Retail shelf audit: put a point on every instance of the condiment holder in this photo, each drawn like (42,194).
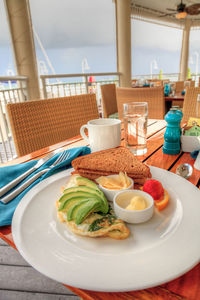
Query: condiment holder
(110,193)
(123,199)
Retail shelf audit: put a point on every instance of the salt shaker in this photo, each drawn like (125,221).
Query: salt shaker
(173,132)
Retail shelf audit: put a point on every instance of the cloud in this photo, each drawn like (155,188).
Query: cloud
(77,23)
(155,36)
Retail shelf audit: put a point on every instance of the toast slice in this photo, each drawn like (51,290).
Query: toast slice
(111,161)
(92,176)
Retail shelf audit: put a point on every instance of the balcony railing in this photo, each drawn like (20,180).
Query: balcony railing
(13,89)
(74,84)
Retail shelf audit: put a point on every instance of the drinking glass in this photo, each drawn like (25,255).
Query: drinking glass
(135,126)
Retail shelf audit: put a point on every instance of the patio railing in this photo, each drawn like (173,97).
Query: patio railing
(74,84)
(13,89)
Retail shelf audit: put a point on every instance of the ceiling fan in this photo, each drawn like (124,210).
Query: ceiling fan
(182,10)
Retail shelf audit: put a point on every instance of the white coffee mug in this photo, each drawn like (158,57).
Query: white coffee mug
(102,134)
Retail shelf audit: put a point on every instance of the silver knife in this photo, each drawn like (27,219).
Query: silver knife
(17,180)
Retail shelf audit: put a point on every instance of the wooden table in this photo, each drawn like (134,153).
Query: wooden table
(170,99)
(184,287)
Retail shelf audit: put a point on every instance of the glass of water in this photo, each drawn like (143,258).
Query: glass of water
(135,126)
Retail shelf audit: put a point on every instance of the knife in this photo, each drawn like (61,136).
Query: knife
(17,180)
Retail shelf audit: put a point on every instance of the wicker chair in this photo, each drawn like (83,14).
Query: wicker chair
(179,86)
(108,93)
(192,83)
(41,123)
(190,101)
(154,97)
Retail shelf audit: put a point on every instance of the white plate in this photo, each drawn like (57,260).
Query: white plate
(156,252)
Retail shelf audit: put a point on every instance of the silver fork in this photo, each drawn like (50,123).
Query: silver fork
(64,155)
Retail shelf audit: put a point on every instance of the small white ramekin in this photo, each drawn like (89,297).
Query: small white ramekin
(110,193)
(122,200)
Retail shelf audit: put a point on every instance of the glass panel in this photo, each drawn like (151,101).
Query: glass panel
(155,48)
(7,62)
(74,36)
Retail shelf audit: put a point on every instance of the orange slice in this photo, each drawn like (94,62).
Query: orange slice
(162,203)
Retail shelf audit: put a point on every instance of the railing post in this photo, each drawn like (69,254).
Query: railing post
(44,87)
(86,83)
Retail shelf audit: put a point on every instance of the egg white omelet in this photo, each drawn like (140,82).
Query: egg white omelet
(104,226)
(96,224)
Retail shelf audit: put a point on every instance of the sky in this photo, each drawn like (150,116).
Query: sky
(72,30)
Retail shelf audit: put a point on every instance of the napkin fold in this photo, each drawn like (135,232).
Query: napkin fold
(195,153)
(11,172)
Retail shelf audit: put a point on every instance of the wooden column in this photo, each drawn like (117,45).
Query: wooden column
(185,51)
(20,24)
(123,40)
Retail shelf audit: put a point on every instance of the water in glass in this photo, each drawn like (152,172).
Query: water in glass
(135,127)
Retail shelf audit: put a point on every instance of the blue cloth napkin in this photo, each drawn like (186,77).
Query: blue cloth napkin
(194,154)
(11,172)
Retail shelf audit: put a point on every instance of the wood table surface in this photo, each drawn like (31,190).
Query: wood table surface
(176,97)
(185,287)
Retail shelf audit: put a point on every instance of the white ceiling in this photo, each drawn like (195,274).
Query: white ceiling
(160,6)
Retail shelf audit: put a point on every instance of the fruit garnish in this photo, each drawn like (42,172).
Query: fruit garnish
(154,188)
(159,194)
(162,203)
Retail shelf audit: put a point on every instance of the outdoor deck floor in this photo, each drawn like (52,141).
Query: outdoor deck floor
(19,281)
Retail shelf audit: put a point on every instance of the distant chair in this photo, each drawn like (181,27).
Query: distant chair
(155,82)
(179,86)
(190,101)
(153,96)
(192,83)
(108,93)
(41,123)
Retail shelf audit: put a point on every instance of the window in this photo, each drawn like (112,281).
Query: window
(194,52)
(7,62)
(77,36)
(154,48)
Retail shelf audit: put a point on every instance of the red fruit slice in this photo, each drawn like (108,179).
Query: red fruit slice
(154,188)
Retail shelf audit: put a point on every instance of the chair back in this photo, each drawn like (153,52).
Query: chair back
(41,123)
(108,93)
(153,96)
(190,103)
(179,86)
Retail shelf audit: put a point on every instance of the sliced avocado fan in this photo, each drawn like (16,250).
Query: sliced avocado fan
(86,209)
(90,191)
(74,198)
(65,200)
(86,182)
(80,210)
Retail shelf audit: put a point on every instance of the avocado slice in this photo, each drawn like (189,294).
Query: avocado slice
(72,210)
(69,202)
(63,201)
(86,182)
(89,190)
(84,210)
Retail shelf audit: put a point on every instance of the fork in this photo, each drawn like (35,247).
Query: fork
(64,155)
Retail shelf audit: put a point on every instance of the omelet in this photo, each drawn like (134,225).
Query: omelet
(97,225)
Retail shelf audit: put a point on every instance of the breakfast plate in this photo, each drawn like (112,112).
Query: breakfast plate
(157,251)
